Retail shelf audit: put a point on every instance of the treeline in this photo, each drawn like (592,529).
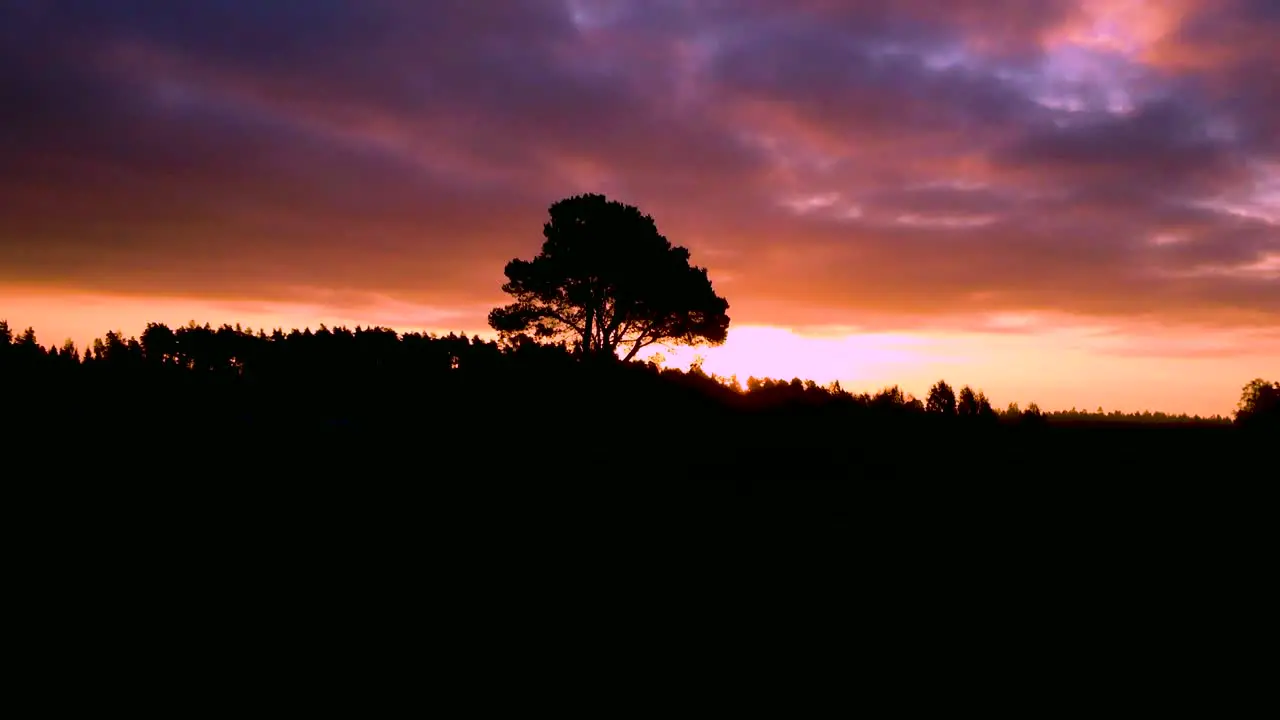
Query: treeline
(378,357)
(366,431)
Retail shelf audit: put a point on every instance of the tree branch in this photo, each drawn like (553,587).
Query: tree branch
(639,345)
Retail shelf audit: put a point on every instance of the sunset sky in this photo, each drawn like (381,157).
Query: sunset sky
(1073,202)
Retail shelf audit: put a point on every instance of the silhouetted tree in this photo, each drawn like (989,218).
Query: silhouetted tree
(159,344)
(1259,404)
(892,399)
(27,351)
(607,279)
(984,407)
(117,350)
(974,405)
(941,400)
(1032,416)
(69,352)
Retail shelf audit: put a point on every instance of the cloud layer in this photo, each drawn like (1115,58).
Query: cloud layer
(829,161)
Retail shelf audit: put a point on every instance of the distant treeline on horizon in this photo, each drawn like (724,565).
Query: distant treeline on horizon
(377,354)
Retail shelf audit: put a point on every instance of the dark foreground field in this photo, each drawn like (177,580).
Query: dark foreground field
(382,550)
(749,472)
(501,491)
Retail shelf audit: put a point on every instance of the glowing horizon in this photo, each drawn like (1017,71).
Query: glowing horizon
(1008,358)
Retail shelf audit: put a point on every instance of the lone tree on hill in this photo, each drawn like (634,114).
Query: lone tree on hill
(607,279)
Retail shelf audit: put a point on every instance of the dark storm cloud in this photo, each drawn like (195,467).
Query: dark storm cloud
(833,158)
(1162,141)
(1230,49)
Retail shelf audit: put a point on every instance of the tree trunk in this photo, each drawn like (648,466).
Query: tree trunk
(586,333)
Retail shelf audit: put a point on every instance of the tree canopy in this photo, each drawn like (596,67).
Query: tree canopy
(607,280)
(942,399)
(1259,404)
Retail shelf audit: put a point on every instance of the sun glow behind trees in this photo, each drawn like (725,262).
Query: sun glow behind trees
(1144,368)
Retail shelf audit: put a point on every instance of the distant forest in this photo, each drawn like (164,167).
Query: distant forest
(234,357)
